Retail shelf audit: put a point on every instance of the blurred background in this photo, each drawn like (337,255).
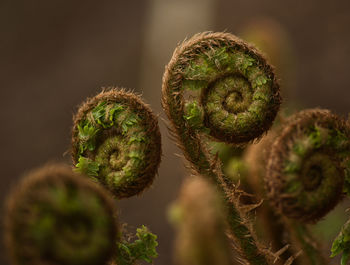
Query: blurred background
(54,54)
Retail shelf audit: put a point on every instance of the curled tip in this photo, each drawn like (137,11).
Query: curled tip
(307,164)
(116,141)
(218,84)
(55,216)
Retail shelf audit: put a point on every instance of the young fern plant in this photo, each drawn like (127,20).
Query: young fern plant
(55,216)
(218,88)
(278,229)
(116,141)
(308,170)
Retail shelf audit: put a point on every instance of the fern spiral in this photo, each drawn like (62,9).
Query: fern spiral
(218,88)
(218,84)
(308,165)
(55,216)
(116,141)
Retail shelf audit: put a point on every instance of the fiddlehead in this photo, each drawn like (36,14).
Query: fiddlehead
(307,165)
(277,228)
(116,140)
(218,86)
(308,169)
(55,216)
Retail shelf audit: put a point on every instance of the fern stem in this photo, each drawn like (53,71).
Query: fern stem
(217,86)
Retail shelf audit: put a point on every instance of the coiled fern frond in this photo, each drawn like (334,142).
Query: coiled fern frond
(57,217)
(307,165)
(116,141)
(218,88)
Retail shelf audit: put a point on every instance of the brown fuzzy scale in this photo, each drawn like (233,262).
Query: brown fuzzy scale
(115,95)
(18,210)
(173,78)
(275,177)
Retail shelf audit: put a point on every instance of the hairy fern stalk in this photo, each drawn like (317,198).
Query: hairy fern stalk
(218,87)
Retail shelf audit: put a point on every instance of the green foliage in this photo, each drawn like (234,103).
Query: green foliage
(103,115)
(193,114)
(87,135)
(261,80)
(339,140)
(143,248)
(194,84)
(219,60)
(88,167)
(342,244)
(291,167)
(99,113)
(137,139)
(330,137)
(113,113)
(131,120)
(300,148)
(247,62)
(106,115)
(316,137)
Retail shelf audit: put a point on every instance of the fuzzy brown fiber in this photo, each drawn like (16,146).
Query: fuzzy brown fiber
(172,98)
(149,121)
(190,139)
(276,180)
(32,201)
